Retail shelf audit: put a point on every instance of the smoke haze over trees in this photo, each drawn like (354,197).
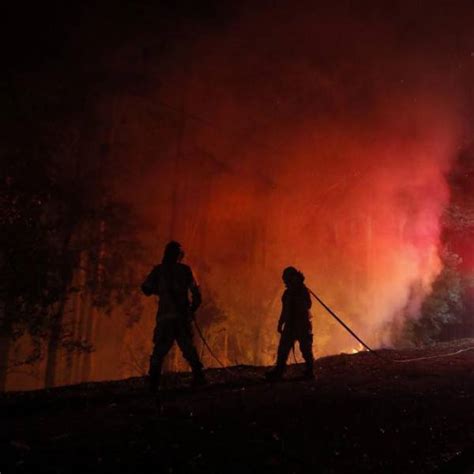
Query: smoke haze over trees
(336,139)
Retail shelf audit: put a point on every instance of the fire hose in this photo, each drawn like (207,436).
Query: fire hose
(353,334)
(208,347)
(346,327)
(211,352)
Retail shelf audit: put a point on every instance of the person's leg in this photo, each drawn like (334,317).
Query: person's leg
(286,343)
(163,338)
(306,347)
(184,338)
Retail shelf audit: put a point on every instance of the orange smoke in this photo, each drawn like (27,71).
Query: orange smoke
(280,135)
(298,147)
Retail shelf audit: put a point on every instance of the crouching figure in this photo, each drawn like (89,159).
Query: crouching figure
(294,324)
(173,281)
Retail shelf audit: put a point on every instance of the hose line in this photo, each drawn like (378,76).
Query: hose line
(344,325)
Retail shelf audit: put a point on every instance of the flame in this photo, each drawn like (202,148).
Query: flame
(354,349)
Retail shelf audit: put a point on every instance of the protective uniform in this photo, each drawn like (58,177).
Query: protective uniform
(294,323)
(172,282)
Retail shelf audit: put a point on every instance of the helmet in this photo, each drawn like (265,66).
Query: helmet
(292,275)
(173,252)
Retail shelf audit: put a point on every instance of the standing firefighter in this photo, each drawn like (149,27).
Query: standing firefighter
(173,281)
(294,324)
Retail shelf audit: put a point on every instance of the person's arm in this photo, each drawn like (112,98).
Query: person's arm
(284,311)
(196,298)
(150,285)
(308,300)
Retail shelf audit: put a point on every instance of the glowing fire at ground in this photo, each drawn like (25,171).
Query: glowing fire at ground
(355,350)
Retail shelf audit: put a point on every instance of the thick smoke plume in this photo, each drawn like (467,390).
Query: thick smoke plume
(314,138)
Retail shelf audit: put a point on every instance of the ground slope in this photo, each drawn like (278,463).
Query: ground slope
(361,414)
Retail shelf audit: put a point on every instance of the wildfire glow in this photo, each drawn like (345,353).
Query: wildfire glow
(357,349)
(296,164)
(291,135)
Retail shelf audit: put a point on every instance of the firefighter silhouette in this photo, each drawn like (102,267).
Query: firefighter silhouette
(294,323)
(173,282)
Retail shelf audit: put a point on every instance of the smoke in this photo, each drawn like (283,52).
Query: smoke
(308,136)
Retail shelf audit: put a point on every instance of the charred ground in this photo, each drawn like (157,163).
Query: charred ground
(361,414)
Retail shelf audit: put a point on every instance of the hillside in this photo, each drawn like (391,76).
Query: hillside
(361,414)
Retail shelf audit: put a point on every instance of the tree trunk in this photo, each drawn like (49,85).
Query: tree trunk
(92,313)
(72,359)
(226,348)
(89,337)
(53,345)
(5,342)
(49,378)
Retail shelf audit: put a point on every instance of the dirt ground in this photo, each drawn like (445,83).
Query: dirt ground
(361,414)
